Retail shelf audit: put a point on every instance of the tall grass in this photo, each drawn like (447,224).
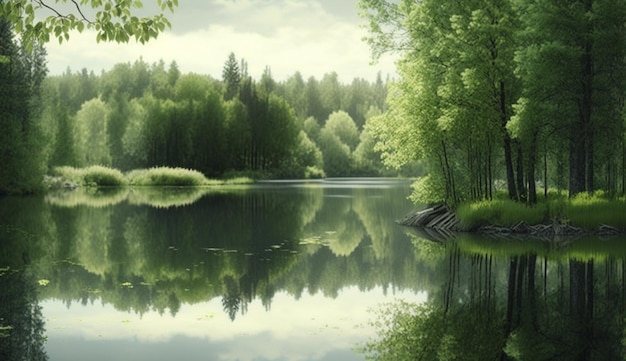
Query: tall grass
(101,176)
(499,212)
(166,176)
(585,210)
(93,176)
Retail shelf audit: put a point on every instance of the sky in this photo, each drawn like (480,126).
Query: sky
(313,37)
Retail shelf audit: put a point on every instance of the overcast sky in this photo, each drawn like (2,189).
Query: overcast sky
(311,36)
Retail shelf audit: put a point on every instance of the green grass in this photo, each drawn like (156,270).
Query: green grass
(165,176)
(584,210)
(93,176)
(100,176)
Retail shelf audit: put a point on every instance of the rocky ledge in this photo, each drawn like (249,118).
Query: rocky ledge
(438,222)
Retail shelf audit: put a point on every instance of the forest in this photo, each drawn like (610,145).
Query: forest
(508,95)
(139,115)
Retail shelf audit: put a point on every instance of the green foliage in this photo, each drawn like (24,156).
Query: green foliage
(165,176)
(493,90)
(585,210)
(115,21)
(591,211)
(22,139)
(500,212)
(92,176)
(405,331)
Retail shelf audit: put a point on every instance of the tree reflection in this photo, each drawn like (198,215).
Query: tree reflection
(22,336)
(236,246)
(519,306)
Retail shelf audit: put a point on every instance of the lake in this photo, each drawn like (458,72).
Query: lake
(291,271)
(273,271)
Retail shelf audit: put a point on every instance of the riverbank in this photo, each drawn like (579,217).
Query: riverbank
(438,222)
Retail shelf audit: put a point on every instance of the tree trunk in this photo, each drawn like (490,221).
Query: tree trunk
(508,157)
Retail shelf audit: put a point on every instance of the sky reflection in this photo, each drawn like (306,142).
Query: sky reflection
(311,328)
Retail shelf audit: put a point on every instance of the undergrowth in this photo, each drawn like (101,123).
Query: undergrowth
(584,210)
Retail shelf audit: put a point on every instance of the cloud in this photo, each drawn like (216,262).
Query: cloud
(286,35)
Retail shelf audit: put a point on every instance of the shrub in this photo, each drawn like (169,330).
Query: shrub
(101,176)
(165,176)
(94,176)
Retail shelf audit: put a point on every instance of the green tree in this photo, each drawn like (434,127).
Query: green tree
(92,134)
(456,92)
(231,76)
(342,125)
(134,142)
(21,142)
(572,65)
(64,151)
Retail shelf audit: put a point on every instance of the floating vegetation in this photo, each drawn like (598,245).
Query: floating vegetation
(315,240)
(127,285)
(213,249)
(43,282)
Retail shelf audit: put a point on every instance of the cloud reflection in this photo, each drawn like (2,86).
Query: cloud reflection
(311,328)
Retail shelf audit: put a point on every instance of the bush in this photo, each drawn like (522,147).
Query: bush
(165,176)
(101,176)
(93,176)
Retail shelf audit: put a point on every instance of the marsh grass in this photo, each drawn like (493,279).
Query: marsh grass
(585,210)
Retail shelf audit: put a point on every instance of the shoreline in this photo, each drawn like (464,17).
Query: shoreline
(439,223)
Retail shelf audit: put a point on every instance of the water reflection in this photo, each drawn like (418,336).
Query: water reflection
(254,259)
(291,271)
(513,299)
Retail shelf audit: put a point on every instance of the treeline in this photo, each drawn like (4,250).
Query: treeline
(507,94)
(140,115)
(144,115)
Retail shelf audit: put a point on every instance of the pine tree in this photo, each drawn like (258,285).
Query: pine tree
(232,77)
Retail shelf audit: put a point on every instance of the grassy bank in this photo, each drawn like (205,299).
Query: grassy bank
(101,176)
(585,210)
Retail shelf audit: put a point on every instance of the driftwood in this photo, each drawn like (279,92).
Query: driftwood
(438,217)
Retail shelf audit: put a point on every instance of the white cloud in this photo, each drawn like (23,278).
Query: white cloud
(286,35)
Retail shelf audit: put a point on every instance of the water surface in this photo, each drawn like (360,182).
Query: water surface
(274,271)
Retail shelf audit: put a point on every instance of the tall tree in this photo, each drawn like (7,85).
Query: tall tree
(457,87)
(21,75)
(231,77)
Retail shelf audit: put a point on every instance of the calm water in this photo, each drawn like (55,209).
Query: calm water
(290,271)
(276,271)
